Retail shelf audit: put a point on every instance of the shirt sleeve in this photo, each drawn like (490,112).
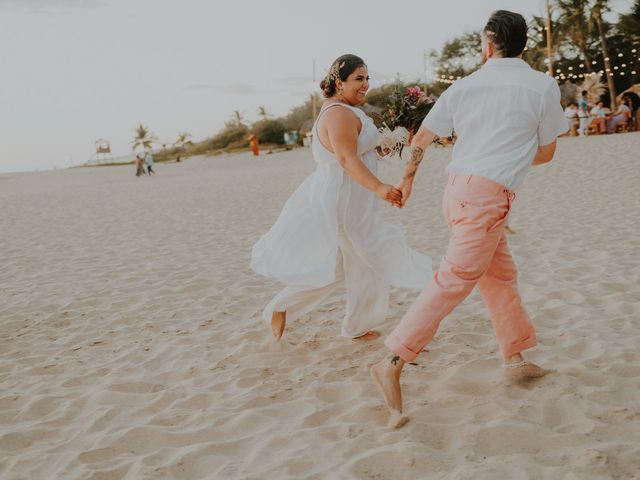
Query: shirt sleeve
(439,120)
(552,121)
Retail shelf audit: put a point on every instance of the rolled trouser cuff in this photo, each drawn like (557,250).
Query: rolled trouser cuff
(399,349)
(525,344)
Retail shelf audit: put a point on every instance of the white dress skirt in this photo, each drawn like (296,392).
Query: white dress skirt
(331,230)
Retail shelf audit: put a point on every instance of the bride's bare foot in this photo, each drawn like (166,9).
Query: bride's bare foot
(370,335)
(278,321)
(386,374)
(518,369)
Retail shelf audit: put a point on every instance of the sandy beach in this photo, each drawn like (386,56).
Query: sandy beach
(131,345)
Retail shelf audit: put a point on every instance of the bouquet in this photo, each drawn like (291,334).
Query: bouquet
(401,117)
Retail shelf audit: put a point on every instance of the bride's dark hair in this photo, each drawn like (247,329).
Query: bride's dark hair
(341,68)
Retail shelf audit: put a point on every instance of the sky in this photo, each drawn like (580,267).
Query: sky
(74,71)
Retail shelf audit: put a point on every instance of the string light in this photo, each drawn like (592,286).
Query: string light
(623,69)
(611,71)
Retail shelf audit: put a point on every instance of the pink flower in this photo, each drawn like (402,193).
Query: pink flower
(414,93)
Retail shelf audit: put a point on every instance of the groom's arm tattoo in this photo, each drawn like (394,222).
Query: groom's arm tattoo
(417,154)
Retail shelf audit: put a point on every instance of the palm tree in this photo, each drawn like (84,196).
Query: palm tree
(144,138)
(536,51)
(262,112)
(594,87)
(183,139)
(574,25)
(629,26)
(629,23)
(597,9)
(237,117)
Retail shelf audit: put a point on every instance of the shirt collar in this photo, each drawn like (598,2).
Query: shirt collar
(506,62)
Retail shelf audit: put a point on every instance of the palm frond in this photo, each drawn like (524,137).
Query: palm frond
(143,137)
(594,87)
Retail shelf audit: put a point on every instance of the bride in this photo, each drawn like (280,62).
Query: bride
(331,229)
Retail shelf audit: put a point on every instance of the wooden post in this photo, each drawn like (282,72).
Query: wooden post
(424,71)
(313,95)
(549,38)
(313,106)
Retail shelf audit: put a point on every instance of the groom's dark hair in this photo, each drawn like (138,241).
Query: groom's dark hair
(507,31)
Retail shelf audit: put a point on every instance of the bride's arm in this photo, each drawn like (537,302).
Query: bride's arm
(342,129)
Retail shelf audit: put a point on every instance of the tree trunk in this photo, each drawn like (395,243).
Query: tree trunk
(587,60)
(582,45)
(597,14)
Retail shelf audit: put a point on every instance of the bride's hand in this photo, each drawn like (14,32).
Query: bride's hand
(390,194)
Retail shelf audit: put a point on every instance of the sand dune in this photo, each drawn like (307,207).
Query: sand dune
(131,345)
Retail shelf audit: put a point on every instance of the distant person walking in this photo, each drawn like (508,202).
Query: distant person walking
(139,166)
(255,145)
(149,160)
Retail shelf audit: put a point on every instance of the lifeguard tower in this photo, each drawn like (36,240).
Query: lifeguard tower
(103,151)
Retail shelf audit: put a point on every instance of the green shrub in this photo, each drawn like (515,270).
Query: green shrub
(269,131)
(232,132)
(297,116)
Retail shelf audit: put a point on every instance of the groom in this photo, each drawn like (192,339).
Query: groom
(507,117)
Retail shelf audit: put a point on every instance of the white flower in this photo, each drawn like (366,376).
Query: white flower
(390,142)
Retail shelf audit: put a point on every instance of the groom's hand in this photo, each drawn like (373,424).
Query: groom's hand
(405,187)
(390,194)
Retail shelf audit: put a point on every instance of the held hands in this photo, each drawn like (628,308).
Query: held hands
(397,196)
(405,187)
(390,194)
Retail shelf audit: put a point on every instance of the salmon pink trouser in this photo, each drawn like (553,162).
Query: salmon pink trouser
(476,210)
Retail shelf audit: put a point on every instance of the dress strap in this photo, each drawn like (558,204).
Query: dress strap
(324,109)
(328,107)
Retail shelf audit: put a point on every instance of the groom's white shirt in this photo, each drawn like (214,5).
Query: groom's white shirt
(501,114)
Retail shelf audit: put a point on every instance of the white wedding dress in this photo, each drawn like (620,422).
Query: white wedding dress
(331,230)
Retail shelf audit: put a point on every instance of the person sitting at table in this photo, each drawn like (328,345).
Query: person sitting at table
(599,117)
(621,115)
(571,114)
